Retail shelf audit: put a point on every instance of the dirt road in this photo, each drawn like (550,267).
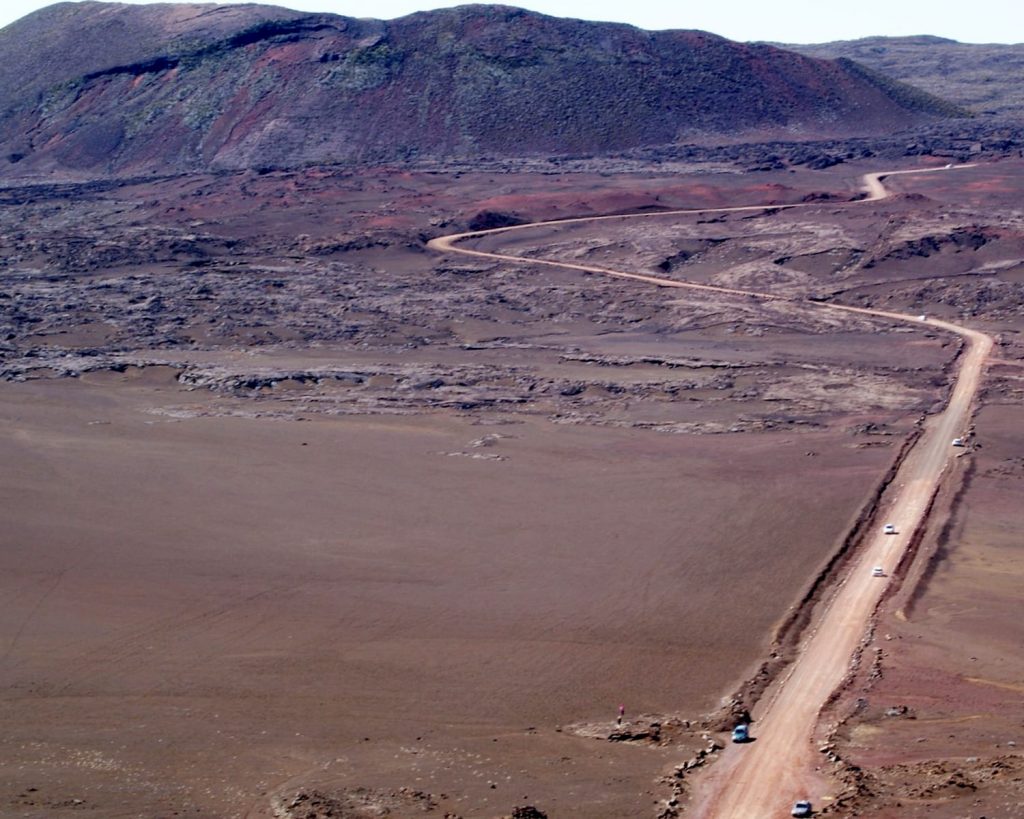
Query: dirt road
(763,778)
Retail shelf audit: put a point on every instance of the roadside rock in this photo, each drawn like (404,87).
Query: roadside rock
(633,732)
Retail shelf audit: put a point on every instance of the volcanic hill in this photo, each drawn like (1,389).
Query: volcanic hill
(96,88)
(984,77)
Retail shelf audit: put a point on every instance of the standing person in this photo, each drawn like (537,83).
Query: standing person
(622,713)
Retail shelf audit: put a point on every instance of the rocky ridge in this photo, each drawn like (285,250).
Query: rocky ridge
(983,77)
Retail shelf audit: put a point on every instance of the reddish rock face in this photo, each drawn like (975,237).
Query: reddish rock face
(178,87)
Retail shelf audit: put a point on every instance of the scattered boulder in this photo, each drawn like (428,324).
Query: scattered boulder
(528,812)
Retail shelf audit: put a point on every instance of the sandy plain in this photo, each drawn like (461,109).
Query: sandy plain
(322,513)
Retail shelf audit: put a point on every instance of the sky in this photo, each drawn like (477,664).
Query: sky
(788,21)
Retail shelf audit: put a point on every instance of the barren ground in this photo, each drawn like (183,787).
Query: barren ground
(324,513)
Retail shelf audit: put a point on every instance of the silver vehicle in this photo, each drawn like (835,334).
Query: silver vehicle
(878,571)
(801,808)
(889,529)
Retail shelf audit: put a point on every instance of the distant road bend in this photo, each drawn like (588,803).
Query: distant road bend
(765,778)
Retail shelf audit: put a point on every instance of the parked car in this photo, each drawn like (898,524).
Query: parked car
(878,571)
(889,529)
(958,442)
(741,733)
(801,808)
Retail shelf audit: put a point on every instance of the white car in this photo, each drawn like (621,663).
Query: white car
(801,808)
(889,529)
(958,442)
(878,571)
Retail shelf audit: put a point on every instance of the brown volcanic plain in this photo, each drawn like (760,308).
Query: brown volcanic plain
(302,520)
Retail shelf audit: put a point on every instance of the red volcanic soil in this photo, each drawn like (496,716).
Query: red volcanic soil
(323,512)
(204,610)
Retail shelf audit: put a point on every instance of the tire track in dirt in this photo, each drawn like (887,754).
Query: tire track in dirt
(49,586)
(101,662)
(765,777)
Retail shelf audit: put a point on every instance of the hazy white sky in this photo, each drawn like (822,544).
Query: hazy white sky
(793,21)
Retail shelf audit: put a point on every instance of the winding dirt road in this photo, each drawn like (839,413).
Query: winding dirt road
(764,778)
